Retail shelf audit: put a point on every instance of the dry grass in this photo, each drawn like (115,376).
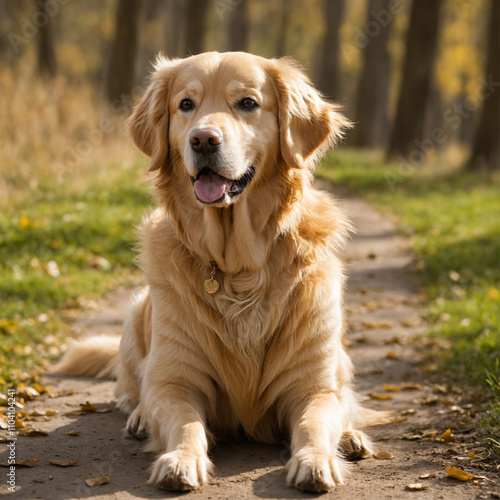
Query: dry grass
(53,133)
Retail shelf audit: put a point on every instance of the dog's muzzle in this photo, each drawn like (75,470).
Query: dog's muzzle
(211,187)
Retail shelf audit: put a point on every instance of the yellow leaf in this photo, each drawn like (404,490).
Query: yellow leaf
(51,412)
(32,432)
(24,222)
(494,293)
(427,476)
(88,407)
(23,463)
(471,454)
(416,486)
(72,433)
(96,481)
(41,389)
(383,455)
(447,436)
(380,396)
(392,388)
(458,474)
(63,463)
(391,355)
(20,424)
(410,387)
(38,413)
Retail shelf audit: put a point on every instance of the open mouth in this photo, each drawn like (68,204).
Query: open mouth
(210,187)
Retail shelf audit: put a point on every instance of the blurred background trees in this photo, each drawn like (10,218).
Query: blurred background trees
(419,77)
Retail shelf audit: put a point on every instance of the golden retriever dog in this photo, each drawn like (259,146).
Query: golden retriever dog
(239,332)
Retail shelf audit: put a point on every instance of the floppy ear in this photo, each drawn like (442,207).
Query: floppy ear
(309,124)
(148,124)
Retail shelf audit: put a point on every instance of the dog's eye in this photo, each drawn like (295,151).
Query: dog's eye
(248,103)
(186,105)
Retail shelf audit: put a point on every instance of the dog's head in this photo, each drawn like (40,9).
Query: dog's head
(224,120)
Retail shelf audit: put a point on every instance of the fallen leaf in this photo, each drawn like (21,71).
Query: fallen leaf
(398,420)
(380,396)
(88,407)
(427,476)
(63,463)
(96,481)
(51,412)
(41,389)
(430,433)
(383,455)
(391,355)
(72,433)
(31,462)
(410,411)
(458,474)
(391,388)
(428,401)
(20,424)
(33,432)
(416,486)
(60,394)
(447,436)
(410,387)
(411,437)
(38,413)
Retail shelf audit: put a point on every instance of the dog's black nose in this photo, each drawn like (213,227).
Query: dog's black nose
(205,140)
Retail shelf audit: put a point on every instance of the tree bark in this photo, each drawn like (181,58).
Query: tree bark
(485,149)
(120,74)
(47,65)
(173,39)
(421,47)
(284,19)
(373,91)
(328,79)
(238,27)
(196,25)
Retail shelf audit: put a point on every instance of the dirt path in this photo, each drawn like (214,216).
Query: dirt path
(383,311)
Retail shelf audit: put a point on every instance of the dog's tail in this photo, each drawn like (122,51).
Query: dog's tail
(95,356)
(371,417)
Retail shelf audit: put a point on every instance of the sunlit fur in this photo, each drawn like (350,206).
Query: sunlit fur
(263,357)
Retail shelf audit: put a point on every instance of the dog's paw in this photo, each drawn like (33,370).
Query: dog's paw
(314,471)
(355,445)
(180,471)
(136,426)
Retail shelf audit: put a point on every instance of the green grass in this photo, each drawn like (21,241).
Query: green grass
(454,222)
(52,244)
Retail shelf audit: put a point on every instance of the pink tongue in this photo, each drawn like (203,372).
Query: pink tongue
(210,187)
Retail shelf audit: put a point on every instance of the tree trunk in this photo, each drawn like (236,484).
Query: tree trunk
(120,75)
(47,65)
(485,150)
(196,25)
(174,28)
(328,73)
(421,47)
(281,42)
(373,91)
(238,27)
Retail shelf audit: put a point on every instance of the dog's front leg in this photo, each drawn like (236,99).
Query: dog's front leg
(317,427)
(178,430)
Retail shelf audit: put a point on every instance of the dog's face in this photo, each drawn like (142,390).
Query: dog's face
(223,123)
(228,119)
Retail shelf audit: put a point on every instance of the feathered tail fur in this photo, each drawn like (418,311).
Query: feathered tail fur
(95,356)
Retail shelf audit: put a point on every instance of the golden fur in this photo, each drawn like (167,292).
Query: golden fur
(263,357)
